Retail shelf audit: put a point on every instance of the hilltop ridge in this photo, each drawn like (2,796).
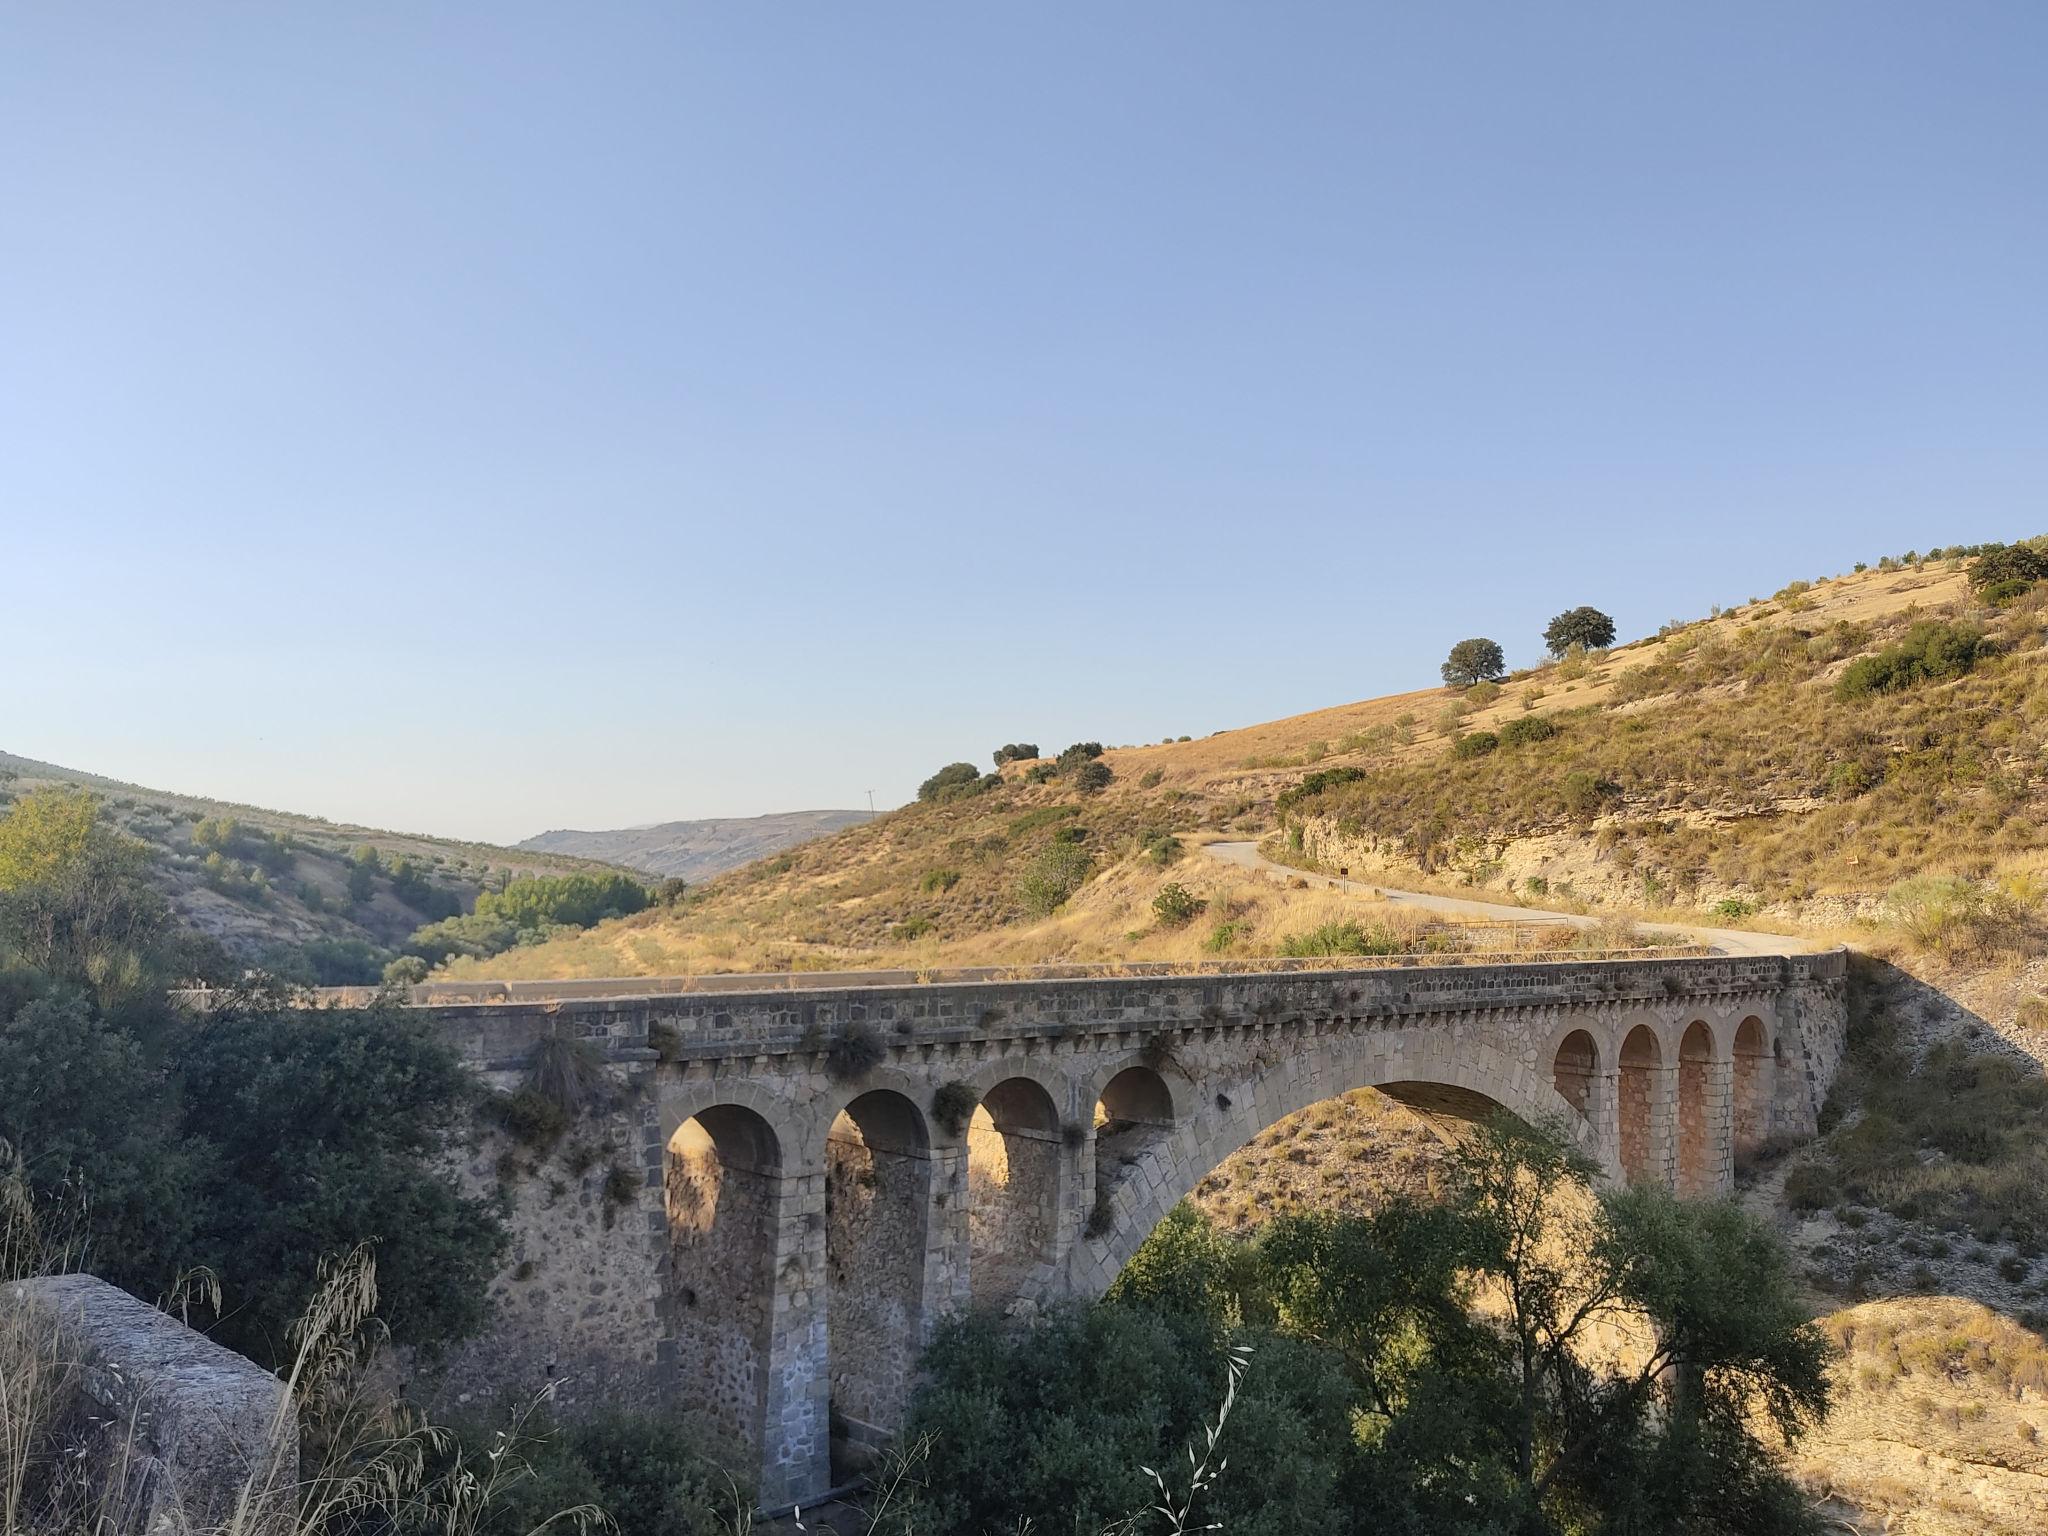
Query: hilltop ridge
(695,850)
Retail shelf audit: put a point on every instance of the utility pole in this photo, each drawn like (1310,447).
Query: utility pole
(871,802)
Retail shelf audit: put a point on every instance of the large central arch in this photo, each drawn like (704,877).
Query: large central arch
(1184,1130)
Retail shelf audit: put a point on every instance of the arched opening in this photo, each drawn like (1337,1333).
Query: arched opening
(1752,1089)
(877,1195)
(1696,1162)
(1134,1115)
(1572,1073)
(1640,1063)
(1013,1178)
(722,1183)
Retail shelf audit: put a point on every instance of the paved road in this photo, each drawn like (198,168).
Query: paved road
(1729,941)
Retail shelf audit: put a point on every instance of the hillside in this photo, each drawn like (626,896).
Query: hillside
(695,850)
(285,889)
(1718,767)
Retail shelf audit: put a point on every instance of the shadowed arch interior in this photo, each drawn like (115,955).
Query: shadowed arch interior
(722,1183)
(1134,1115)
(1572,1071)
(877,1205)
(1640,1063)
(1013,1183)
(1753,1085)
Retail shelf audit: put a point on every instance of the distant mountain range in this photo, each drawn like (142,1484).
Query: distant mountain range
(696,850)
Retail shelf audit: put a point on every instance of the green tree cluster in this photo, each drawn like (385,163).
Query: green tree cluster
(1381,1396)
(248,1139)
(575,901)
(1016,752)
(950,783)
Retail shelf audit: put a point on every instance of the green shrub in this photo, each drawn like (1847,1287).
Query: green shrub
(405,971)
(1223,938)
(2002,594)
(1733,908)
(1518,733)
(1092,777)
(1016,752)
(2003,564)
(1152,778)
(1164,849)
(854,1052)
(1053,875)
(953,1105)
(639,1468)
(1341,938)
(1313,785)
(936,880)
(1080,752)
(1474,744)
(950,783)
(1931,651)
(1040,773)
(1176,905)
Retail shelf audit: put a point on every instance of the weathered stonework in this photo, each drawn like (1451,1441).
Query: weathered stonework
(792,1236)
(198,1436)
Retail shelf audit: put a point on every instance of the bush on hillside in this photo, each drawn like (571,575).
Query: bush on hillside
(950,783)
(1587,628)
(1932,651)
(1052,876)
(1529,728)
(1077,754)
(1474,661)
(1475,744)
(1313,785)
(1341,938)
(2003,564)
(1092,777)
(1016,752)
(1175,906)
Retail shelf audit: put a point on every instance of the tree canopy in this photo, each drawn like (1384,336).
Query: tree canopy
(1528,1355)
(1585,627)
(1474,661)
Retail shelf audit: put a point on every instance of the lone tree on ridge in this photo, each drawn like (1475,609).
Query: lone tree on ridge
(1474,661)
(1581,626)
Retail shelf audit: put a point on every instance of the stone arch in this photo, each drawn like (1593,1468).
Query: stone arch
(1638,1082)
(722,1186)
(1752,1088)
(1014,1168)
(1134,1118)
(1438,1077)
(1574,1070)
(1697,1163)
(878,1188)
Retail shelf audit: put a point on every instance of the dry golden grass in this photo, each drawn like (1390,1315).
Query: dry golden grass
(1940,1420)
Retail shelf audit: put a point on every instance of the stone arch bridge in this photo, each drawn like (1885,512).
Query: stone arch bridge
(791,1185)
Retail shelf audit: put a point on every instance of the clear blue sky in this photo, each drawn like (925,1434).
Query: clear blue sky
(487,418)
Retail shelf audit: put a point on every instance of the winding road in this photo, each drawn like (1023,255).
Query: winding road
(1727,941)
